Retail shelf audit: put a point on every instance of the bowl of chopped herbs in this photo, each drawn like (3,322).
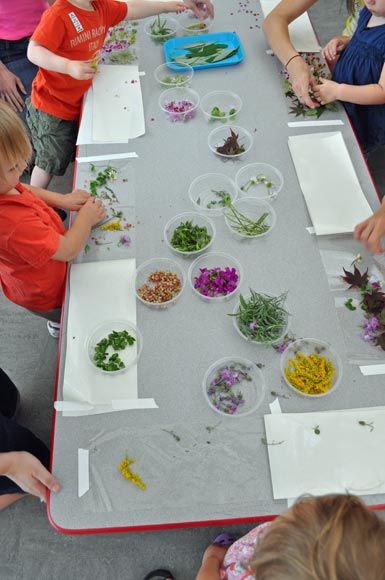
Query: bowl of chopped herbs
(179,76)
(159,282)
(261,318)
(212,192)
(221,106)
(230,141)
(249,218)
(161,29)
(234,387)
(215,276)
(114,346)
(259,180)
(189,234)
(311,367)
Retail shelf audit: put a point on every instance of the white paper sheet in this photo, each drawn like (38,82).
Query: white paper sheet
(301,31)
(332,192)
(345,456)
(99,291)
(112,107)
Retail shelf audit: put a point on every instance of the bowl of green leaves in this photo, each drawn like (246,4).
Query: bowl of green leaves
(210,193)
(114,346)
(261,318)
(259,180)
(179,75)
(189,234)
(161,29)
(230,141)
(221,106)
(249,218)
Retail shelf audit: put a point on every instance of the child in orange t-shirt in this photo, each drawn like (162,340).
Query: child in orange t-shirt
(34,244)
(70,34)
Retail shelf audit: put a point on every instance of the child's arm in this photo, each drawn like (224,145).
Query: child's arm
(330,91)
(211,563)
(137,9)
(75,238)
(371,230)
(44,58)
(72,201)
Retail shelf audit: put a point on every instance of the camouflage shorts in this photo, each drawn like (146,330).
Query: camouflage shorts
(54,140)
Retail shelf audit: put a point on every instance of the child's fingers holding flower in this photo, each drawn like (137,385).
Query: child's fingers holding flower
(81,70)
(326,92)
(75,200)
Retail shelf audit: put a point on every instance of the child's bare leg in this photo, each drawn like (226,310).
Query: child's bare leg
(8,499)
(40,178)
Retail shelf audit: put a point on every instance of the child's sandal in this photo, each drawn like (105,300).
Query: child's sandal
(159,574)
(224,539)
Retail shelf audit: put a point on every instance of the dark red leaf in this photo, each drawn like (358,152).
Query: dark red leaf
(355,278)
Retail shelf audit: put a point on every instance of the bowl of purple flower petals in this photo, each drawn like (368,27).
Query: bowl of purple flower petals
(234,387)
(179,104)
(215,276)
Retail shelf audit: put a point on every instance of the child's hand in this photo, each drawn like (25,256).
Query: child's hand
(211,562)
(302,80)
(327,92)
(31,475)
(331,52)
(93,210)
(177,7)
(201,8)
(370,231)
(81,70)
(75,200)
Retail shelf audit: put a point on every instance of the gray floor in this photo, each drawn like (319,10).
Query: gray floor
(30,548)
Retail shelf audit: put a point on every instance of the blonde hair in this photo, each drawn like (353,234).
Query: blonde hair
(14,141)
(334,537)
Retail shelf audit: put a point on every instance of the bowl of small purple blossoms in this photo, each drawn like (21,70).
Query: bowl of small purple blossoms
(215,276)
(234,387)
(179,104)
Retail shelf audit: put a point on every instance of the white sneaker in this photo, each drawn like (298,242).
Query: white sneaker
(53,328)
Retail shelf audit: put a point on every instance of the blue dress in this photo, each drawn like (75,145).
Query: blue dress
(361,64)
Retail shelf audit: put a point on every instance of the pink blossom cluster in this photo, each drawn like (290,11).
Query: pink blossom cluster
(217,281)
(176,108)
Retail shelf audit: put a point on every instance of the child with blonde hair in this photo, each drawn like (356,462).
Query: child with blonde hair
(34,244)
(334,537)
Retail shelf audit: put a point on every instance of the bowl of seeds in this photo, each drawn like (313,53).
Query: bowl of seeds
(159,282)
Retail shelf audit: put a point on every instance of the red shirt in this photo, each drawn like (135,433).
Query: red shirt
(76,34)
(29,236)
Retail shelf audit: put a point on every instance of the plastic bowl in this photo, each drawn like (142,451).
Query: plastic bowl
(178,95)
(253,209)
(129,355)
(279,338)
(187,20)
(218,136)
(201,192)
(198,220)
(312,346)
(147,268)
(259,190)
(171,23)
(225,101)
(252,392)
(179,76)
(214,260)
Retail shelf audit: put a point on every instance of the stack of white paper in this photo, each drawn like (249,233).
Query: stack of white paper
(99,291)
(343,456)
(332,192)
(113,107)
(301,31)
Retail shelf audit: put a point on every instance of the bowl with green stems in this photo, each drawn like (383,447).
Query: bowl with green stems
(261,318)
(259,180)
(180,75)
(161,28)
(114,346)
(249,218)
(189,234)
(211,192)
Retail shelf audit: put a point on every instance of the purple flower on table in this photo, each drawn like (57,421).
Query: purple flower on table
(371,324)
(125,240)
(253,325)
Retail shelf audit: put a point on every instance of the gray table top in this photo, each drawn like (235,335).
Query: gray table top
(224,474)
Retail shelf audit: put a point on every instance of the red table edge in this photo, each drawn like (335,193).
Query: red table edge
(169,526)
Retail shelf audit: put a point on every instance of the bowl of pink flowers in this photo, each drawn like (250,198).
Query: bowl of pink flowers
(179,104)
(215,276)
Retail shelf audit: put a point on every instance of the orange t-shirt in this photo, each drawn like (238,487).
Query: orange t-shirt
(29,236)
(76,34)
